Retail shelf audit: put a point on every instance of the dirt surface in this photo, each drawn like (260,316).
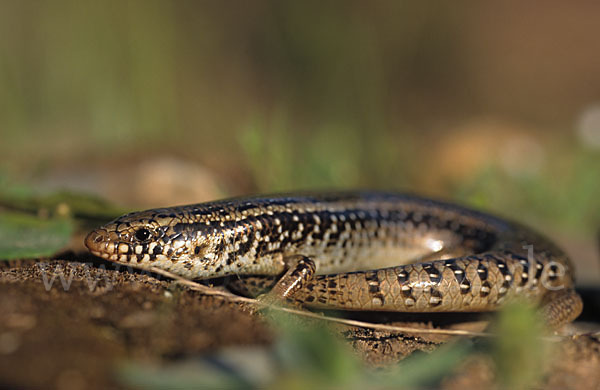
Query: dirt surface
(68,324)
(73,337)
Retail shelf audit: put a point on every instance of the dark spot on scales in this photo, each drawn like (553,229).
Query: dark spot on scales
(505,287)
(402,276)
(465,286)
(539,267)
(459,271)
(333,238)
(432,272)
(524,275)
(244,247)
(436,294)
(482,293)
(482,272)
(553,272)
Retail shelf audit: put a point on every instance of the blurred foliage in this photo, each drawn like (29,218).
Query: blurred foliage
(519,353)
(178,376)
(34,225)
(25,236)
(17,196)
(335,157)
(311,356)
(566,194)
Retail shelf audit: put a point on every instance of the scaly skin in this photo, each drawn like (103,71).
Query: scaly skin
(371,251)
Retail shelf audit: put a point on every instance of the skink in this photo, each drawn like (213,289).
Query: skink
(352,251)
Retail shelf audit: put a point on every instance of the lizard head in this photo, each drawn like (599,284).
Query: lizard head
(158,238)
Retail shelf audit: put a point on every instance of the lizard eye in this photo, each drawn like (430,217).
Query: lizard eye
(142,234)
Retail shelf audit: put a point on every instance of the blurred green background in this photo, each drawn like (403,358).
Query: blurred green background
(149,103)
